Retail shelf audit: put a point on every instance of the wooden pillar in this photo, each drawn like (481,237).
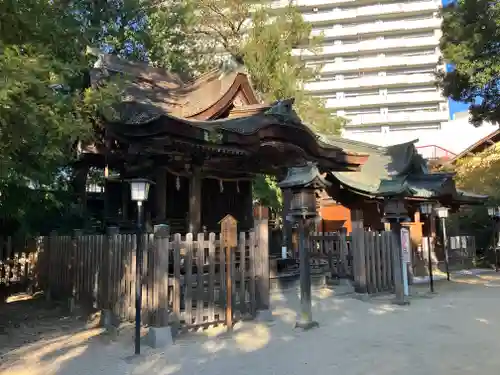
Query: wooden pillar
(125,199)
(261,215)
(195,181)
(161,196)
(287,225)
(80,187)
(357,219)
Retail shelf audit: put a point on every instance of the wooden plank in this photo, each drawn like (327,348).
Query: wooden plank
(211,277)
(200,288)
(366,260)
(176,308)
(120,281)
(242,273)
(252,276)
(222,280)
(161,276)
(378,262)
(188,281)
(388,259)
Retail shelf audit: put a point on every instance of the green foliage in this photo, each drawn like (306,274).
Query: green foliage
(267,192)
(479,174)
(46,106)
(471,41)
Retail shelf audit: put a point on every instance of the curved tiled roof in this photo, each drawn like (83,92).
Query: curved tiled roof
(203,98)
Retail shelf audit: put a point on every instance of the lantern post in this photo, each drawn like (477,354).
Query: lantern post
(426,209)
(494,214)
(139,190)
(303,183)
(442,213)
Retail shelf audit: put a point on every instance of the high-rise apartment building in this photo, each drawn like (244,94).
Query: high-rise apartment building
(378,62)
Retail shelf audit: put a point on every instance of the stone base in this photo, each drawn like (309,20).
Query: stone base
(404,302)
(306,325)
(159,337)
(108,320)
(264,316)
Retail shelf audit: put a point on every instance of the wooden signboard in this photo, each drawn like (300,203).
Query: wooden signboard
(229,240)
(229,231)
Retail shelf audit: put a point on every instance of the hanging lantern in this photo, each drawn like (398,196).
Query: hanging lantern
(178,183)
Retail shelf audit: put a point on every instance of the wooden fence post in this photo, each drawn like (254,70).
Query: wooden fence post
(262,260)
(359,260)
(107,297)
(160,276)
(73,269)
(51,270)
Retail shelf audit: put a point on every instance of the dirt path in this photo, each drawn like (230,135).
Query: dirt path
(454,332)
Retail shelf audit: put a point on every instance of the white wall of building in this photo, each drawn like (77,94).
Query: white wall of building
(377,62)
(454,136)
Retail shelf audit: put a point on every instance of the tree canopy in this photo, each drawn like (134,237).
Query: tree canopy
(471,43)
(46,104)
(266,41)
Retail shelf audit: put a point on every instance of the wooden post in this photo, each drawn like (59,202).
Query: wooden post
(74,269)
(358,258)
(108,297)
(125,200)
(229,241)
(161,195)
(229,291)
(195,182)
(262,258)
(160,277)
(287,225)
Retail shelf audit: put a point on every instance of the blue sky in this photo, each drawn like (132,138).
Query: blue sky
(454,106)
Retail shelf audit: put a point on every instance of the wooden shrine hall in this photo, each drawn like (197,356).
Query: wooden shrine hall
(201,142)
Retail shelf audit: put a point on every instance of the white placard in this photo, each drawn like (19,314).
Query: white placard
(406,245)
(283,252)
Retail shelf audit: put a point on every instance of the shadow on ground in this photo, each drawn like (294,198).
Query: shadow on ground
(354,334)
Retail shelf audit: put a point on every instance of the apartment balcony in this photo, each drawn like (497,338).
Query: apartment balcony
(339,31)
(385,100)
(379,63)
(320,4)
(366,81)
(398,118)
(373,45)
(401,9)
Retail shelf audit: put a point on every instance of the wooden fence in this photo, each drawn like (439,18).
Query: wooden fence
(18,260)
(183,276)
(461,253)
(331,251)
(374,255)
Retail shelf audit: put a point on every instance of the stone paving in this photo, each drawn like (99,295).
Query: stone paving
(456,331)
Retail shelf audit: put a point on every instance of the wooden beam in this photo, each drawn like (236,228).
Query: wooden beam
(195,181)
(161,195)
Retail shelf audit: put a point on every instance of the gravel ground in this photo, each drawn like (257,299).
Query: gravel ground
(456,331)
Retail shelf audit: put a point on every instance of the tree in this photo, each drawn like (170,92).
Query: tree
(46,105)
(263,39)
(479,174)
(471,42)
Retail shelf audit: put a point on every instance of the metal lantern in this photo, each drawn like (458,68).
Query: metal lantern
(442,212)
(303,203)
(139,189)
(394,211)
